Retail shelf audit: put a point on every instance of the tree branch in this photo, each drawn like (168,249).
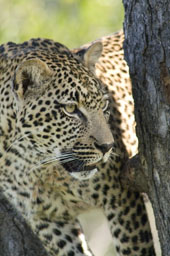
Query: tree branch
(16,238)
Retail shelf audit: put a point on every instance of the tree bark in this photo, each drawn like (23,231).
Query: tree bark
(16,238)
(147,51)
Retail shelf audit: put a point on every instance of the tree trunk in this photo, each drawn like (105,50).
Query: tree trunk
(147,51)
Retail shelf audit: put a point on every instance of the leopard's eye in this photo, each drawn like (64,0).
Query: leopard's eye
(73,111)
(70,108)
(105,104)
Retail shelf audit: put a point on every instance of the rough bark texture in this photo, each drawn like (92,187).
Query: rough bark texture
(16,238)
(133,176)
(147,51)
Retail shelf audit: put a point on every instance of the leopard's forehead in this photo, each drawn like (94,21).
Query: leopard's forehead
(71,80)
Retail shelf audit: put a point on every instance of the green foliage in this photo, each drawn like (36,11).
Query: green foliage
(71,22)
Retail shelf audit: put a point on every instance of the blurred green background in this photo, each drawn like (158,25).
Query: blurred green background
(71,22)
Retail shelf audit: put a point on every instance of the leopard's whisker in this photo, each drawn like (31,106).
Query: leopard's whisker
(51,160)
(61,158)
(55,160)
(114,154)
(17,140)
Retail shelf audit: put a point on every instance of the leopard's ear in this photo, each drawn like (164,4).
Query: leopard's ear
(90,56)
(30,77)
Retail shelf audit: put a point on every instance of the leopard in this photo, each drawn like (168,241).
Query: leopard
(66,129)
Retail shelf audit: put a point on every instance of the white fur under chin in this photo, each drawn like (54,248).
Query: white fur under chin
(84,175)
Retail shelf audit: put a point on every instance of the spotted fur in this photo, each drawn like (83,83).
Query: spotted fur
(55,142)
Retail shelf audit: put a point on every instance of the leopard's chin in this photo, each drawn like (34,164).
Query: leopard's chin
(84,175)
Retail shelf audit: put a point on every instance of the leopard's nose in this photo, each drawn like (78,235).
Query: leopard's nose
(104,148)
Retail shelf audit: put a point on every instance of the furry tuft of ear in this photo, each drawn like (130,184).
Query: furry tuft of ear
(30,76)
(92,55)
(89,56)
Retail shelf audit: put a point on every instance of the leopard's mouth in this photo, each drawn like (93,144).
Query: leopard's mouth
(78,166)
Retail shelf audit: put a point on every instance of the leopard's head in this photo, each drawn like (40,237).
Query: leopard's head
(63,110)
